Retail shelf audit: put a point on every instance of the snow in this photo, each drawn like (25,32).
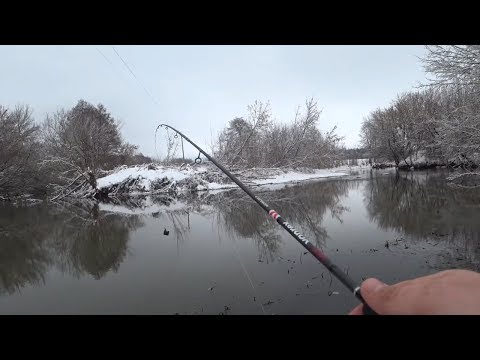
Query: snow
(217,186)
(270,178)
(148,207)
(125,210)
(254,177)
(294,176)
(147,175)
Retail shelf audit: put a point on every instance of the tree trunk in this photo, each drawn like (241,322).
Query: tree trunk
(92,180)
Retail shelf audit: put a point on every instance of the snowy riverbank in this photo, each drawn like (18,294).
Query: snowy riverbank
(156,179)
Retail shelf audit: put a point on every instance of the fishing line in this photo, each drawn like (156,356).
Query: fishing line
(316,252)
(248,276)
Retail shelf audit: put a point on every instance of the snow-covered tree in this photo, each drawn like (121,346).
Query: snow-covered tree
(453,65)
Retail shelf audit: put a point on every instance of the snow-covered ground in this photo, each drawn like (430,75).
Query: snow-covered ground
(145,174)
(156,178)
(295,176)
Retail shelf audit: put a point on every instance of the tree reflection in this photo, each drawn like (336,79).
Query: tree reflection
(304,206)
(23,256)
(92,242)
(423,206)
(74,238)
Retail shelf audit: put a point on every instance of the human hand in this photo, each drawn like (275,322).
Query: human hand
(444,293)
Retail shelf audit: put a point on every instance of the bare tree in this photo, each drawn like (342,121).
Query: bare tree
(458,131)
(80,143)
(453,65)
(381,135)
(238,144)
(259,142)
(406,128)
(456,71)
(18,148)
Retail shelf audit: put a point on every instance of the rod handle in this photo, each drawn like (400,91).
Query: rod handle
(367,310)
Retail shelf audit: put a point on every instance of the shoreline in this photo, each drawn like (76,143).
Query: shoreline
(156,179)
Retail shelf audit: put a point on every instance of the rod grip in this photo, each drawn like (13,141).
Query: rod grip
(367,310)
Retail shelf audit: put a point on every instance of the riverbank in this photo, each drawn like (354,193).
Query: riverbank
(157,179)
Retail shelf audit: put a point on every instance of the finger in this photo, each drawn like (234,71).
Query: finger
(373,292)
(358,310)
(401,298)
(371,285)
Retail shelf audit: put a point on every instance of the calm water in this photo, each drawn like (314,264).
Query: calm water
(223,255)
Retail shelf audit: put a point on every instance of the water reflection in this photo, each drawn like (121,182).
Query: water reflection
(92,242)
(423,207)
(24,258)
(304,206)
(75,238)
(90,239)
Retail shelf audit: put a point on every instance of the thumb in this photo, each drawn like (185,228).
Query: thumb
(377,295)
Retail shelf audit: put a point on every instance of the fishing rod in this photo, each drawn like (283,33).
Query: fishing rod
(316,252)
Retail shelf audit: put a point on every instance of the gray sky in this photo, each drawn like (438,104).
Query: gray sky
(198,89)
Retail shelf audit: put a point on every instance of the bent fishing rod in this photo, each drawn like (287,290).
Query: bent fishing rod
(316,252)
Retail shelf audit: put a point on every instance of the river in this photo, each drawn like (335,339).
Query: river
(224,255)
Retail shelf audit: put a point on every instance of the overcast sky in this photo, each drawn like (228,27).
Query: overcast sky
(198,89)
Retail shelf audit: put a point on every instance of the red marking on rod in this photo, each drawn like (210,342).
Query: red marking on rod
(273,214)
(318,254)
